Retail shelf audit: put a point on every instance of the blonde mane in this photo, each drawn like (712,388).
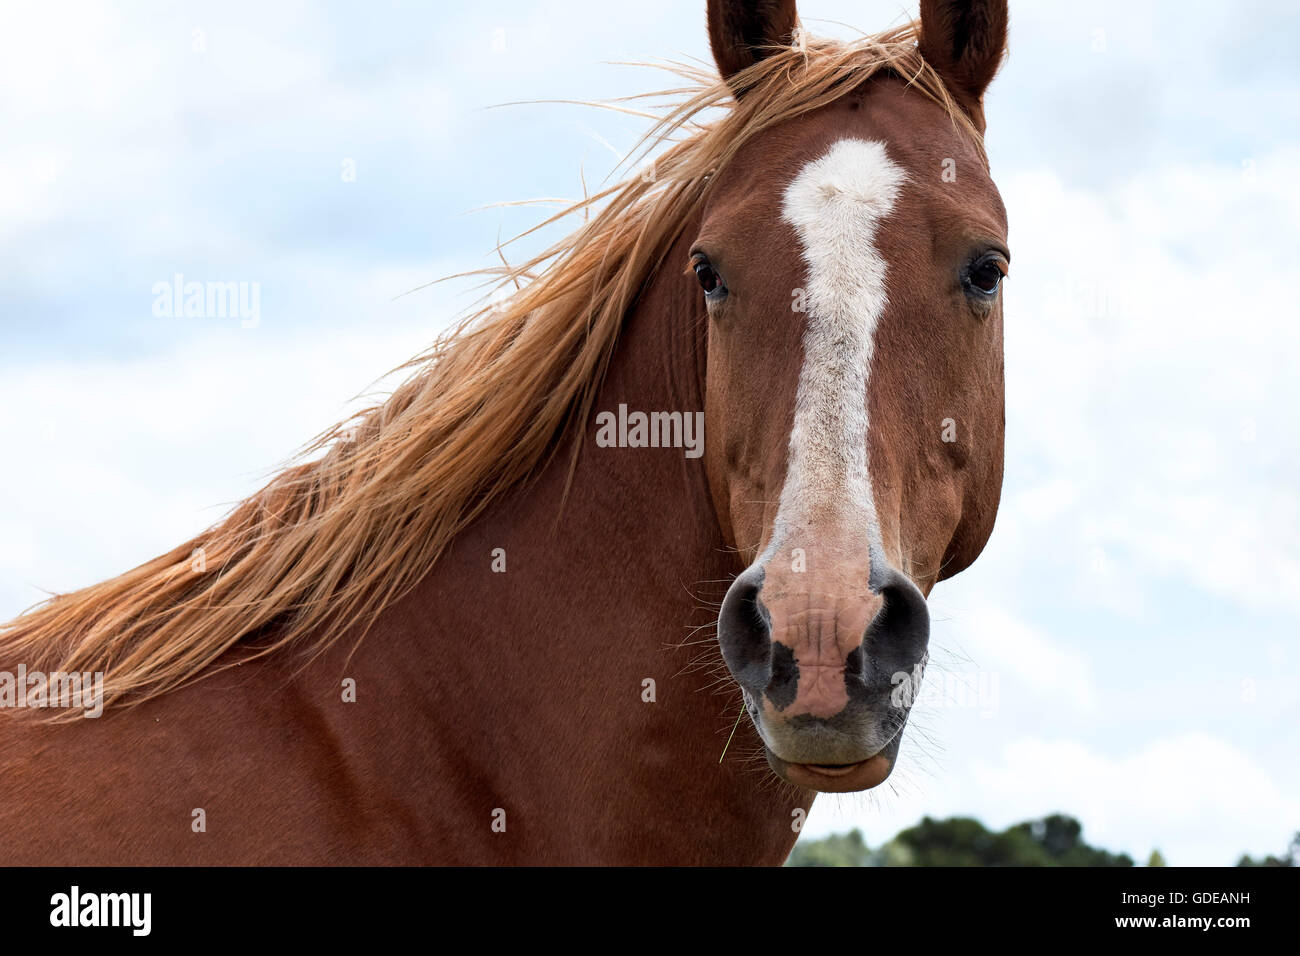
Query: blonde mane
(373,502)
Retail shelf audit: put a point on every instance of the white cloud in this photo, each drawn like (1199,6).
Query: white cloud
(1149,342)
(1196,798)
(126,459)
(997,642)
(1199,799)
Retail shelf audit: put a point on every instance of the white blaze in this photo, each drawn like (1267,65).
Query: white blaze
(836,204)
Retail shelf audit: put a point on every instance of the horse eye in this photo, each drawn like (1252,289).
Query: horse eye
(986,274)
(710,281)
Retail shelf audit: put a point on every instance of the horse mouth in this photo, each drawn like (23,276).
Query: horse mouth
(833,778)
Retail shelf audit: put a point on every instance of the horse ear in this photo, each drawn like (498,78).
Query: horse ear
(742,32)
(964,40)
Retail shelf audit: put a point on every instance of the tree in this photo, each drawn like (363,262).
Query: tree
(1290,858)
(1055,840)
(840,849)
(1061,838)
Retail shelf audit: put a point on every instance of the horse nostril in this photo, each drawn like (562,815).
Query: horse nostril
(901,628)
(745,632)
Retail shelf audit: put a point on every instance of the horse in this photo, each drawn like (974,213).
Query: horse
(462,630)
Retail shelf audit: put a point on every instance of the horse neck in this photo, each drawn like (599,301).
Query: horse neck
(611,563)
(603,600)
(649,509)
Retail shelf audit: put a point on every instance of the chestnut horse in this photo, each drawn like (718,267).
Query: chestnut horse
(456,630)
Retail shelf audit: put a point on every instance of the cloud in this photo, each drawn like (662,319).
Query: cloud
(1147,357)
(124,459)
(1196,798)
(989,639)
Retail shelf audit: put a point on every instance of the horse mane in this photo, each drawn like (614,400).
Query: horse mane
(365,509)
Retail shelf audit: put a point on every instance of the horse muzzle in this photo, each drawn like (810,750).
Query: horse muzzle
(829,664)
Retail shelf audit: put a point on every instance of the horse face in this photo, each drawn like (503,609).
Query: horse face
(851,264)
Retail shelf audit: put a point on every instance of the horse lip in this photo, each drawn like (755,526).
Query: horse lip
(832,769)
(833,778)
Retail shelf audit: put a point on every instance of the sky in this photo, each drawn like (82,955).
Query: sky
(1125,648)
